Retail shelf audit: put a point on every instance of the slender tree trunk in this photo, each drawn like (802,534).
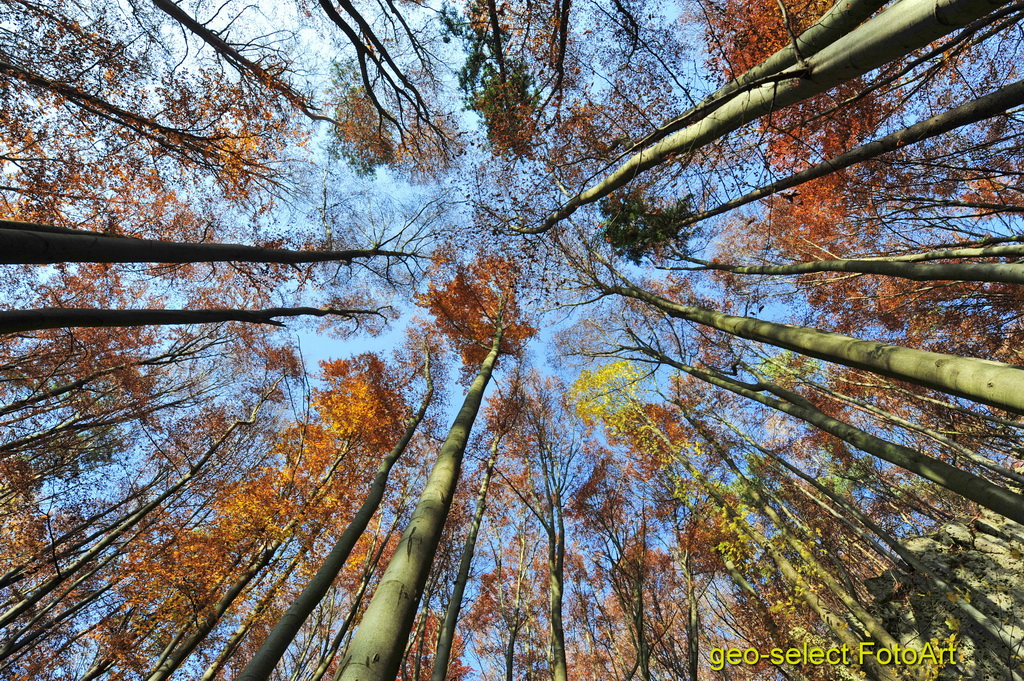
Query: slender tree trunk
(973,111)
(895,32)
(556,568)
(15,321)
(869,622)
(969,271)
(801,587)
(993,383)
(357,600)
(416,643)
(968,485)
(446,638)
(516,622)
(252,615)
(176,653)
(744,586)
(49,585)
(97,669)
(692,619)
(842,18)
(995,630)
(839,627)
(643,646)
(942,439)
(375,653)
(26,243)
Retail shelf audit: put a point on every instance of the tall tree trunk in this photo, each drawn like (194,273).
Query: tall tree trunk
(839,627)
(375,653)
(995,630)
(239,634)
(842,18)
(897,31)
(15,321)
(871,625)
(969,271)
(970,112)
(993,383)
(446,638)
(261,666)
(26,243)
(175,655)
(357,599)
(556,569)
(967,485)
(692,619)
(32,598)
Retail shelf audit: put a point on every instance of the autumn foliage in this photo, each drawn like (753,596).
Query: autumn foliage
(734,293)
(471,303)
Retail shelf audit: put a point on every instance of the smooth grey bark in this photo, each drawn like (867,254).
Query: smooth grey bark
(357,599)
(417,643)
(262,664)
(375,652)
(1008,273)
(25,243)
(841,18)
(974,456)
(554,457)
(967,485)
(446,638)
(556,581)
(17,321)
(993,383)
(970,112)
(901,28)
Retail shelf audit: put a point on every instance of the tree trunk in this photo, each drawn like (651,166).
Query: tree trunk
(375,653)
(129,522)
(993,383)
(970,112)
(16,321)
(261,666)
(451,616)
(692,620)
(901,28)
(842,18)
(25,243)
(968,485)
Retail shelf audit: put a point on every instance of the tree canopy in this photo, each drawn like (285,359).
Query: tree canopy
(501,340)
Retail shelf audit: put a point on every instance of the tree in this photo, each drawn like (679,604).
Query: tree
(479,310)
(765,255)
